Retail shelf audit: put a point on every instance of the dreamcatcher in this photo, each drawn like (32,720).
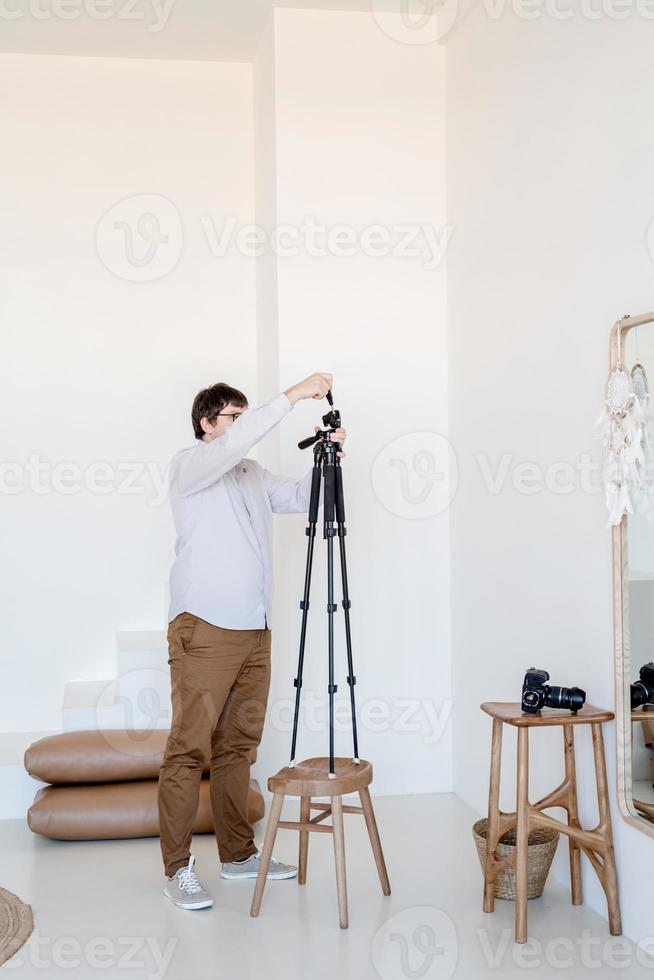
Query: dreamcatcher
(624,420)
(640,388)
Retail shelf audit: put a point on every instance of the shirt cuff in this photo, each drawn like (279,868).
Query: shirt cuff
(283,402)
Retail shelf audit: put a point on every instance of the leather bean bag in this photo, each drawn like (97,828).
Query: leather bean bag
(112,755)
(116,810)
(105,785)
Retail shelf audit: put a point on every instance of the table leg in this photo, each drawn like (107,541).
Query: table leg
(493,826)
(573,814)
(373,833)
(339,856)
(266,852)
(305,814)
(522,837)
(609,877)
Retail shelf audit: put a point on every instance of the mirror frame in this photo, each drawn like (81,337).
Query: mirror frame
(622,659)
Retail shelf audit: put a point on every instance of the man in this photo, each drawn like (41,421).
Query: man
(219,632)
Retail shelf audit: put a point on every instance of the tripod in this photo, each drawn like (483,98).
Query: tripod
(311,778)
(327,468)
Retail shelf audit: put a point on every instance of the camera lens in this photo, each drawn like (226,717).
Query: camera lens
(577,698)
(556,697)
(572,698)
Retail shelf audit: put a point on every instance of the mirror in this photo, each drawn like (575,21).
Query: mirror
(632,342)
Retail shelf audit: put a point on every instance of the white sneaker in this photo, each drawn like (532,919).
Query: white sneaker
(185,890)
(250,868)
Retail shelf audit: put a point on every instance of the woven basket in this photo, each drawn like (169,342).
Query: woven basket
(542,847)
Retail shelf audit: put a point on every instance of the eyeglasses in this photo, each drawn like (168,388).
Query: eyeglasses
(229,415)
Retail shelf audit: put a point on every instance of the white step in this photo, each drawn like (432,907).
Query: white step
(143,696)
(143,687)
(134,647)
(141,650)
(91,705)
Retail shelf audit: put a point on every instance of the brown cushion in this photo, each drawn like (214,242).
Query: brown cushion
(112,755)
(116,810)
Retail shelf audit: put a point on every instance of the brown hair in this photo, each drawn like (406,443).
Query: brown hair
(210,402)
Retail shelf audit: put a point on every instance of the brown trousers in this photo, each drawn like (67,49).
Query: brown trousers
(220,680)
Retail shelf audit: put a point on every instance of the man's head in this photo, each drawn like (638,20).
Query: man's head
(215,409)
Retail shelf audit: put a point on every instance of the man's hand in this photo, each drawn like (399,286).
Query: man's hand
(338,435)
(315,386)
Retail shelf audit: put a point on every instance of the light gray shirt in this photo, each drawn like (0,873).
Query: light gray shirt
(222,507)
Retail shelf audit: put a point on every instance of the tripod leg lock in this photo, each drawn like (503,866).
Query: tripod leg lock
(332,607)
(351,679)
(330,532)
(310,531)
(332,688)
(346,603)
(303,604)
(297,682)
(342,530)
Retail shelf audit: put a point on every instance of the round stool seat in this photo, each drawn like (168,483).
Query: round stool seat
(311,778)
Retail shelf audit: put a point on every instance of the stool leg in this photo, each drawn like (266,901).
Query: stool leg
(493,827)
(522,837)
(573,814)
(609,877)
(305,813)
(373,834)
(339,856)
(266,852)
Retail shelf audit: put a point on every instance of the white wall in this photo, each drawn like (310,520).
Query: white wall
(97,367)
(550,161)
(265,176)
(116,362)
(359,140)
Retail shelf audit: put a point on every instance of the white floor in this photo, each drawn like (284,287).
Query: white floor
(99,911)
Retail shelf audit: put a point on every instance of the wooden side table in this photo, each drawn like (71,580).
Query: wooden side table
(596,844)
(308,779)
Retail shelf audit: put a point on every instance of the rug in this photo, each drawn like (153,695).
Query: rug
(16,924)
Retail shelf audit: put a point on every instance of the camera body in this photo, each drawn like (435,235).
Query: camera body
(537,693)
(642,692)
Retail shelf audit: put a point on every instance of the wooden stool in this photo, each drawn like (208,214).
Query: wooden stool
(311,778)
(596,844)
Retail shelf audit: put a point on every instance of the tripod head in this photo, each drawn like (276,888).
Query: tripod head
(332,419)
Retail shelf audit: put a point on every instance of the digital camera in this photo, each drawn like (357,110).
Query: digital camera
(537,693)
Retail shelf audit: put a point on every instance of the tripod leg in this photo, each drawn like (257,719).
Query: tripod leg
(342,531)
(304,605)
(330,486)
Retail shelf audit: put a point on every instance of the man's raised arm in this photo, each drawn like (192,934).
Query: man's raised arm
(202,466)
